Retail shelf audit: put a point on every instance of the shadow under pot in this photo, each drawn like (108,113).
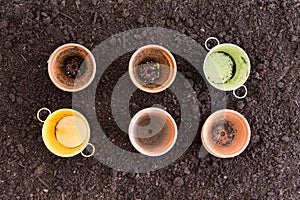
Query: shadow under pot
(66,132)
(71,67)
(152,68)
(225,133)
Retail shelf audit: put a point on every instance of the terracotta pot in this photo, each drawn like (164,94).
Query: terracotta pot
(66,132)
(152,131)
(225,133)
(152,68)
(71,67)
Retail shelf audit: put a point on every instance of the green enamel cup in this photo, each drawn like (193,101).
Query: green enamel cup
(226,67)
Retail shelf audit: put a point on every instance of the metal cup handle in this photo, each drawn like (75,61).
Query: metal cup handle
(38,114)
(211,38)
(91,154)
(240,97)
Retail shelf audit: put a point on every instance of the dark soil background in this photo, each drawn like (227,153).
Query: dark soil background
(269,32)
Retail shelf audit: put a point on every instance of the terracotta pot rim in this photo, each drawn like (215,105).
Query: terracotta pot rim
(84,144)
(132,77)
(134,119)
(236,46)
(52,59)
(210,150)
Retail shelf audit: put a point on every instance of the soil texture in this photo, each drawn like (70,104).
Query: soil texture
(267,30)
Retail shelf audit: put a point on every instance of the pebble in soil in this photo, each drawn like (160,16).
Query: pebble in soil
(178,181)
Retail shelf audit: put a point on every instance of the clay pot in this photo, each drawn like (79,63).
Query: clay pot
(152,68)
(152,131)
(71,67)
(66,132)
(225,133)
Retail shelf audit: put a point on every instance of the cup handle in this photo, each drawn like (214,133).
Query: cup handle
(240,97)
(211,38)
(91,154)
(38,114)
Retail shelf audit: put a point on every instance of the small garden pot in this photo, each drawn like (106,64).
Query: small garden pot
(152,68)
(152,131)
(71,67)
(225,133)
(66,132)
(226,67)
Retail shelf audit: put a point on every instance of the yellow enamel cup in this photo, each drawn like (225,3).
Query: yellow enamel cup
(54,143)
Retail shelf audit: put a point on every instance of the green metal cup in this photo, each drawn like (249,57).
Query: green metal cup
(226,67)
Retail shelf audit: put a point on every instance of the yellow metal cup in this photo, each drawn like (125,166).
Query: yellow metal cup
(49,133)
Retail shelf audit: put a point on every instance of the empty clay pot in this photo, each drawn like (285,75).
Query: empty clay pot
(225,133)
(152,131)
(152,68)
(66,132)
(71,67)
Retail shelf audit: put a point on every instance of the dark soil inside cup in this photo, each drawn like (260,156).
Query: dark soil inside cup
(72,66)
(223,133)
(149,72)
